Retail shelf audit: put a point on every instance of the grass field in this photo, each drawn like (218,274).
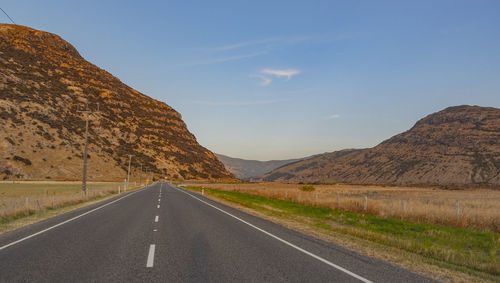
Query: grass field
(465,250)
(22,199)
(477,209)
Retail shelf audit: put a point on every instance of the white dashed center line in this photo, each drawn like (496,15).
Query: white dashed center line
(156,218)
(151,256)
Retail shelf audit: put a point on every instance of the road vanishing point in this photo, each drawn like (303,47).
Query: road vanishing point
(164,233)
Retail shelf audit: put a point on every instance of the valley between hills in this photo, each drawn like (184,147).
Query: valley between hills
(421,205)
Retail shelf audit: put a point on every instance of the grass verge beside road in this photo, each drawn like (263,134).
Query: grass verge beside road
(445,253)
(25,203)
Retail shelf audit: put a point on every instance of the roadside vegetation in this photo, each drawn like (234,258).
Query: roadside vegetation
(477,209)
(39,200)
(473,252)
(307,188)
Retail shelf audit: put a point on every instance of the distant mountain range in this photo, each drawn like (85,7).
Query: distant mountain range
(248,169)
(44,82)
(458,145)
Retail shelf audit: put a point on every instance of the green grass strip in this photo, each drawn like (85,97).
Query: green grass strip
(476,250)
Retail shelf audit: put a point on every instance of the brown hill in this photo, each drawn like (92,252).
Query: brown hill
(44,81)
(458,145)
(247,169)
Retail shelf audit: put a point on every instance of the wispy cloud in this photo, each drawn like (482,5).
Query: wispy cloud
(334,116)
(300,91)
(240,103)
(279,73)
(266,41)
(265,46)
(289,73)
(245,44)
(223,59)
(265,81)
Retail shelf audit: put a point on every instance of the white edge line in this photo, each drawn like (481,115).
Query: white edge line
(151,256)
(283,241)
(66,221)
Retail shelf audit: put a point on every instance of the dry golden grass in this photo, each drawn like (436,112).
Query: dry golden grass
(478,209)
(26,198)
(352,239)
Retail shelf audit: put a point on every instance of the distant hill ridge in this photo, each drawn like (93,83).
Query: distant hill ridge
(458,145)
(247,169)
(44,81)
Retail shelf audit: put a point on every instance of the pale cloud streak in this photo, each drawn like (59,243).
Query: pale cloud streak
(245,44)
(265,46)
(267,41)
(239,103)
(266,74)
(265,81)
(223,59)
(288,73)
(334,116)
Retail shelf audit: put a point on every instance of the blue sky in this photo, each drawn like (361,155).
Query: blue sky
(283,79)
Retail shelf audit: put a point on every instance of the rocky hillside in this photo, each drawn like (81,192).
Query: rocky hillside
(458,145)
(44,82)
(247,169)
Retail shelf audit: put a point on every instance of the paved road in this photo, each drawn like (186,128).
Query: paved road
(166,234)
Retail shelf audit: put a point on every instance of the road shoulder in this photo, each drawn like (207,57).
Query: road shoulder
(409,261)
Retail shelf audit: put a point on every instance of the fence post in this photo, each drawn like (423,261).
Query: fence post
(457,212)
(26,204)
(315,197)
(365,203)
(119,189)
(338,201)
(53,198)
(202,191)
(286,195)
(298,197)
(403,205)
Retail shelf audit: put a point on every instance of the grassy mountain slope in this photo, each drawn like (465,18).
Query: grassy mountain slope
(43,83)
(458,145)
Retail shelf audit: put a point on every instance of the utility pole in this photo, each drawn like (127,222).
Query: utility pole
(128,174)
(165,169)
(140,176)
(84,181)
(85,150)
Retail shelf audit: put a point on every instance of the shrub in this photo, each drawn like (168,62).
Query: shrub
(307,188)
(23,160)
(10,141)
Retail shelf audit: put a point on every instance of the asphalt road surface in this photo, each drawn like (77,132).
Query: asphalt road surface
(166,234)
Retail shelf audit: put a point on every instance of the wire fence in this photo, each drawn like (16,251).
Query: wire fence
(46,198)
(478,209)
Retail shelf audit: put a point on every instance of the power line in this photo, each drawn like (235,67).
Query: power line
(8,16)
